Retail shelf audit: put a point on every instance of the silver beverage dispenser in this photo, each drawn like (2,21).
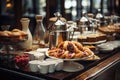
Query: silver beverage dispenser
(58,32)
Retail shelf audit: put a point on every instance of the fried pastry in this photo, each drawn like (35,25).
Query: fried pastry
(70,50)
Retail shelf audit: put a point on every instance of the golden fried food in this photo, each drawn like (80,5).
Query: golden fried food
(79,45)
(70,50)
(14,35)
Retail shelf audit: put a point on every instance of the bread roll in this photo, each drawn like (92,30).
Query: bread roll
(16,30)
(3,34)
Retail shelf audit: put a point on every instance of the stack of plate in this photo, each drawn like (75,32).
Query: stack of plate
(108,46)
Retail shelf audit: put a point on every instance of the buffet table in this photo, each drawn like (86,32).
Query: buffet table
(91,69)
(100,70)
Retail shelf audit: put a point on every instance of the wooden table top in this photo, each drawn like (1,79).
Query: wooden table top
(98,68)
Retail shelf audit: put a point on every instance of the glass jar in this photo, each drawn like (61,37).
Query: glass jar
(39,32)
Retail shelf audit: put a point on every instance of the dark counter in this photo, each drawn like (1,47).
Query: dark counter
(13,73)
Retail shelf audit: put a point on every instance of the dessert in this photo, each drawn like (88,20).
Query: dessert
(70,50)
(109,29)
(92,37)
(13,35)
(21,61)
(102,36)
(82,39)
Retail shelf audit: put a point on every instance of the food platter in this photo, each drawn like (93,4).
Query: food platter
(93,58)
(69,52)
(68,64)
(74,59)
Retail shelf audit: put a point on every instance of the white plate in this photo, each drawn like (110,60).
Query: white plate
(116,43)
(75,59)
(106,50)
(98,42)
(108,46)
(72,66)
(93,58)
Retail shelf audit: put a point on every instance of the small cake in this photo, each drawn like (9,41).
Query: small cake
(92,38)
(102,37)
(82,39)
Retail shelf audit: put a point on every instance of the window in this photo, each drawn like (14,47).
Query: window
(33,7)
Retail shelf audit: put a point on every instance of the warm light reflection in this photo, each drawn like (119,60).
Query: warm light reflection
(117,2)
(8,5)
(7,0)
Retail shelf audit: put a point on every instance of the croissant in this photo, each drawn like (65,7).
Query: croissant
(65,45)
(60,45)
(65,54)
(79,45)
(79,55)
(87,50)
(69,50)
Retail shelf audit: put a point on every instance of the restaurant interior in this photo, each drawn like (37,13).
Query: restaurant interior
(59,39)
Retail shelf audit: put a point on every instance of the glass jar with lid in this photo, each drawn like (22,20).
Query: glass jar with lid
(39,32)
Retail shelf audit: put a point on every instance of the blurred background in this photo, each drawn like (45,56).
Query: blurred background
(12,10)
